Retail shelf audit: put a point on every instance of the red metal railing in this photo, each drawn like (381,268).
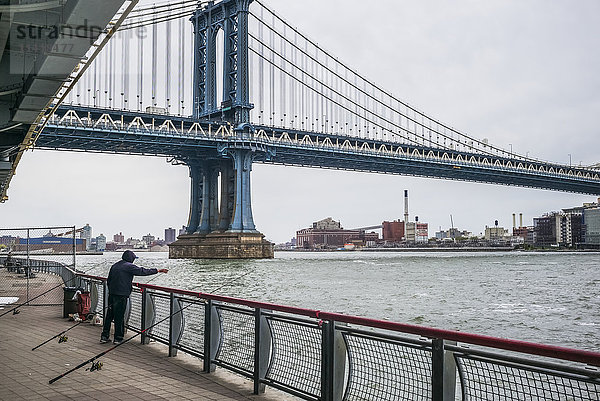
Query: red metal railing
(309,352)
(568,354)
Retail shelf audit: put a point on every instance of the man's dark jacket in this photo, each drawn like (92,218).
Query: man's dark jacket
(121,275)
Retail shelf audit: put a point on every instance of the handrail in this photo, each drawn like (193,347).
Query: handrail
(564,353)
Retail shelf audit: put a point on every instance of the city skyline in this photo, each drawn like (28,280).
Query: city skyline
(522,75)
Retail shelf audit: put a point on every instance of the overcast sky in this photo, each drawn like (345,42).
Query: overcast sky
(516,72)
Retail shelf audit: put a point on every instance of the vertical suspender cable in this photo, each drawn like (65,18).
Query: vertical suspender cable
(168,64)
(181,61)
(79,92)
(95,87)
(282,80)
(154,39)
(272,77)
(106,75)
(303,109)
(140,90)
(124,81)
(261,70)
(111,72)
(293,85)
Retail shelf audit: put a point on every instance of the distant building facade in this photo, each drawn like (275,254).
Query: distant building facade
(452,233)
(591,223)
(328,233)
(526,233)
(495,233)
(170,235)
(101,243)
(393,231)
(327,224)
(119,238)
(148,239)
(86,234)
(182,230)
(417,232)
(559,229)
(49,244)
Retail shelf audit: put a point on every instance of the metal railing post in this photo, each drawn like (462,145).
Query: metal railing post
(175,324)
(171,350)
(262,348)
(212,335)
(207,336)
(449,374)
(143,317)
(333,362)
(148,313)
(256,376)
(327,358)
(104,299)
(437,369)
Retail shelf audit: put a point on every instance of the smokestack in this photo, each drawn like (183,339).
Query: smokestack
(405,213)
(406,206)
(514,221)
(520,219)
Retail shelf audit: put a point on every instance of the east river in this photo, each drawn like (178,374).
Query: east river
(551,298)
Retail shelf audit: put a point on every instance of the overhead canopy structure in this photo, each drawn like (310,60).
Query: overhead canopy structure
(43,46)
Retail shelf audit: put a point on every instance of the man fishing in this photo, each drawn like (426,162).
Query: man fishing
(119,282)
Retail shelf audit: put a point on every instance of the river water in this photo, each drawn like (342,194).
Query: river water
(551,298)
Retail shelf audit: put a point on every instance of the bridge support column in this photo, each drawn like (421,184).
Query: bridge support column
(227,195)
(209,208)
(242,213)
(227,232)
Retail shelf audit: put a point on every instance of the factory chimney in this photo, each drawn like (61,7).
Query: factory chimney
(405,211)
(514,221)
(406,205)
(520,219)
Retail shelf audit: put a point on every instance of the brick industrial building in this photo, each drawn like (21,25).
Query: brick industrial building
(328,233)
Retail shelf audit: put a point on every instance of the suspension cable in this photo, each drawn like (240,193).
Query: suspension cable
(320,82)
(363,91)
(479,142)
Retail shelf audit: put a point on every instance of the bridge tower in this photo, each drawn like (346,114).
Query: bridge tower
(223,228)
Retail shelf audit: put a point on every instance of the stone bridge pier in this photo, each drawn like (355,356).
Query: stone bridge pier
(220,224)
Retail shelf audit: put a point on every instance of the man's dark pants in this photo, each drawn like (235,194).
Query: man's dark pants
(116,312)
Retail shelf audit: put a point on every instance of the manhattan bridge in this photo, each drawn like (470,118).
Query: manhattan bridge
(218,86)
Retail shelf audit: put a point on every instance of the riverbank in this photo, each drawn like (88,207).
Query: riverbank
(444,249)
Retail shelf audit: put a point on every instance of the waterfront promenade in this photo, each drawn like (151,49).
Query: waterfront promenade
(130,372)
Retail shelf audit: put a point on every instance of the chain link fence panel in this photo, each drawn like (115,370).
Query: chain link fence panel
(35,264)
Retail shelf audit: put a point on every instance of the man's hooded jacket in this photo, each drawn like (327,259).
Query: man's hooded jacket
(121,275)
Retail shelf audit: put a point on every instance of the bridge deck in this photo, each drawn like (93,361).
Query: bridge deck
(130,372)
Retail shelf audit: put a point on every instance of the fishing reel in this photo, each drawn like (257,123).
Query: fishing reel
(16,312)
(95,366)
(63,339)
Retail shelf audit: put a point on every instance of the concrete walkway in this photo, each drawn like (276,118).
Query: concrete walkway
(130,372)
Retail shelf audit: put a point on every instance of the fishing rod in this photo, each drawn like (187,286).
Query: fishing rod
(61,334)
(98,365)
(15,311)
(62,338)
